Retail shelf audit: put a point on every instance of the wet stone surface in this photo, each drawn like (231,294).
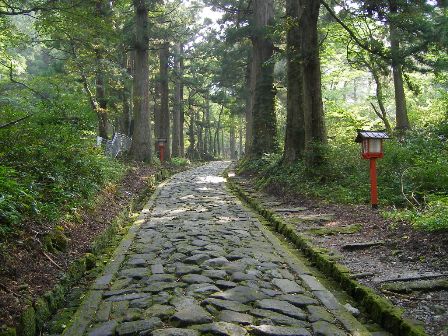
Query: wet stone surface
(201,265)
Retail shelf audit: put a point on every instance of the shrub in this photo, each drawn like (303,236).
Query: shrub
(412,173)
(48,167)
(179,161)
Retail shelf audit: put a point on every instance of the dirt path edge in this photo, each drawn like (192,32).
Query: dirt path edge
(40,310)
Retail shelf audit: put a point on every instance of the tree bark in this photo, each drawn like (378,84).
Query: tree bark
(264,119)
(100,96)
(217,144)
(200,133)
(382,114)
(157,107)
(207,127)
(177,103)
(232,144)
(305,129)
(222,143)
(295,117)
(181,105)
(125,119)
(250,83)
(164,131)
(240,129)
(100,82)
(312,76)
(141,141)
(401,113)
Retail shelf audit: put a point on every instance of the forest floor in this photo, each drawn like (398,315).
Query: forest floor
(408,266)
(28,271)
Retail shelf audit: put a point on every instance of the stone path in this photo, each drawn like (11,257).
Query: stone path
(199,263)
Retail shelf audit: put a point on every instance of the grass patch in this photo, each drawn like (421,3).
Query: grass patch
(333,230)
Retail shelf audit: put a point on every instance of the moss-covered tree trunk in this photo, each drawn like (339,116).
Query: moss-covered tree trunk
(263,114)
(141,141)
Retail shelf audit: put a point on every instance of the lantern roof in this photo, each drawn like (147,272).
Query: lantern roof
(363,134)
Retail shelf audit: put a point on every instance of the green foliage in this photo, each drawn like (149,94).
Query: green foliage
(179,161)
(49,167)
(412,174)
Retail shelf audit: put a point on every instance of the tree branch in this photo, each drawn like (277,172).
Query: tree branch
(352,34)
(11,123)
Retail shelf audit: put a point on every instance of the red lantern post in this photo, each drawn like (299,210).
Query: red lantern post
(161,147)
(373,184)
(372,149)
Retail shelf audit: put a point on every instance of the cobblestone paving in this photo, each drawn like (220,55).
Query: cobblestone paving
(199,263)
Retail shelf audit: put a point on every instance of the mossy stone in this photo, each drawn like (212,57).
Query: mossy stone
(59,239)
(55,241)
(48,244)
(27,323)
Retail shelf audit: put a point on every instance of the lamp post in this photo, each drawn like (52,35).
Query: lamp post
(161,147)
(372,149)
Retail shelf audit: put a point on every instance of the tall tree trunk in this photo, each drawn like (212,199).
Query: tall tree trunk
(182,111)
(400,97)
(101,12)
(157,107)
(206,125)
(264,119)
(312,80)
(232,140)
(382,114)
(240,130)
(100,94)
(177,134)
(141,141)
(209,138)
(222,143)
(200,133)
(250,83)
(192,152)
(126,117)
(295,118)
(217,147)
(164,131)
(305,128)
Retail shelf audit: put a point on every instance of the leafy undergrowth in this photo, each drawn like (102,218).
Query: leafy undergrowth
(412,177)
(49,169)
(26,271)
